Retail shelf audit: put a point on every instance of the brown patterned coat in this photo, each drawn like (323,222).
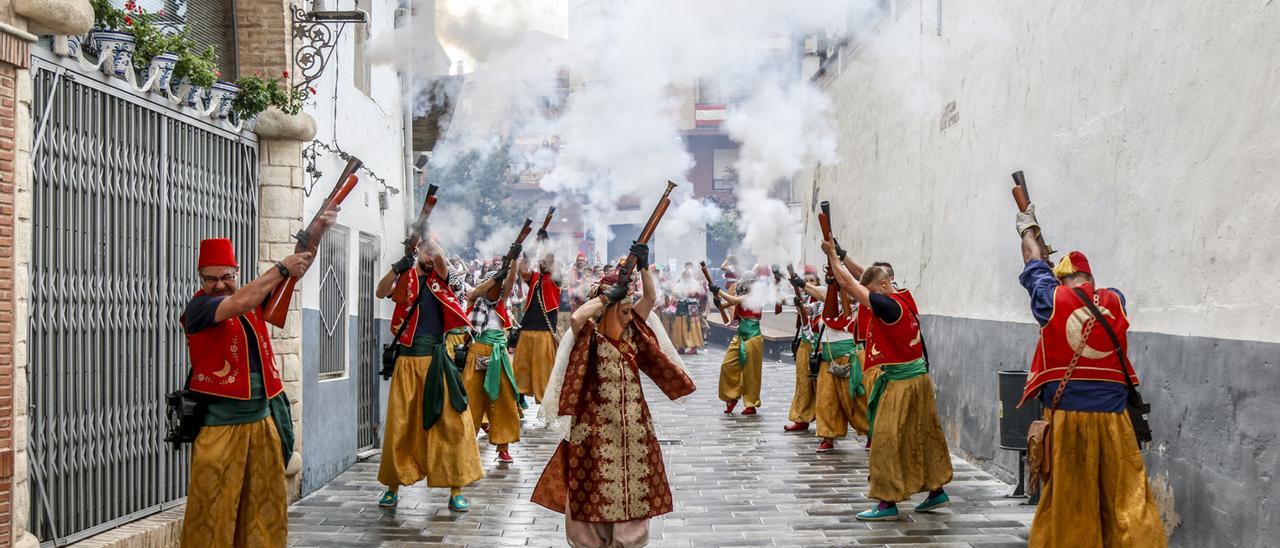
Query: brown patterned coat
(610,469)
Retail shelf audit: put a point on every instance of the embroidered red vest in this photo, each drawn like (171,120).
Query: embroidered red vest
(550,291)
(815,320)
(220,359)
(864,327)
(1065,332)
(897,342)
(406,293)
(842,322)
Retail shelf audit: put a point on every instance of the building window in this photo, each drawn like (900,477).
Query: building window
(724,176)
(362,67)
(207,22)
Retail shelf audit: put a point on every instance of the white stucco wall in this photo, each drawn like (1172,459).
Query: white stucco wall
(1148,133)
(370,127)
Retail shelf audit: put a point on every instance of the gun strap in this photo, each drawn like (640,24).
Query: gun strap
(1111,334)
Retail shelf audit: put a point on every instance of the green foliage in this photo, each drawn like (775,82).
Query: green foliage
(726,230)
(258,93)
(150,41)
(201,67)
(107,16)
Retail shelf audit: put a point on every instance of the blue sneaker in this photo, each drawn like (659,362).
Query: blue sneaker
(878,514)
(459,504)
(934,503)
(389,500)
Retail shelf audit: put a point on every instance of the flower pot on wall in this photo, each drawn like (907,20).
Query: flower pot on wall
(220,97)
(187,94)
(116,47)
(161,68)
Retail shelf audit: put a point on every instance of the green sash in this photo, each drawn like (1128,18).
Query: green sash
(898,372)
(443,375)
(499,363)
(833,351)
(747,329)
(283,418)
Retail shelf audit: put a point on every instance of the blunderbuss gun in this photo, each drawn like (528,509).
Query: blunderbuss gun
(546,221)
(715,297)
(829,306)
(629,264)
(277,307)
(495,292)
(1023,199)
(418,230)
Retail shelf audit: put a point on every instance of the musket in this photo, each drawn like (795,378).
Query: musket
(546,221)
(277,307)
(802,313)
(629,264)
(829,304)
(715,297)
(418,230)
(495,292)
(1023,199)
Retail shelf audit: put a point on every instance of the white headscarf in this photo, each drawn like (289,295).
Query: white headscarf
(549,412)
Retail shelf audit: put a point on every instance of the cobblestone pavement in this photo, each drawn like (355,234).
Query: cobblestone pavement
(737,481)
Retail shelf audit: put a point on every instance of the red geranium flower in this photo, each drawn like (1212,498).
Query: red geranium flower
(312,90)
(286,74)
(128,21)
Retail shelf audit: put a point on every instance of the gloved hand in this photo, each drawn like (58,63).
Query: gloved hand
(403,265)
(1027,220)
(715,290)
(502,274)
(798,282)
(542,234)
(641,253)
(514,250)
(617,292)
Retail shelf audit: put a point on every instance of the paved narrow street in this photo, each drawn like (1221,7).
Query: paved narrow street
(737,481)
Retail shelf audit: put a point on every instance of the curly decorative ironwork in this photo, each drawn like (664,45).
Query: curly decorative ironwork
(313,152)
(314,41)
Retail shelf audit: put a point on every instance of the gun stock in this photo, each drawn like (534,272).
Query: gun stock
(277,307)
(715,297)
(629,265)
(418,230)
(1022,198)
(495,292)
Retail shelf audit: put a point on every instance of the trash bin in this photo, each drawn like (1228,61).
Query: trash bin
(1015,421)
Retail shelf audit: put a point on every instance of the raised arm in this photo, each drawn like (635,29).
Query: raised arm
(253,293)
(731,300)
(815,291)
(848,284)
(586,312)
(436,254)
(648,297)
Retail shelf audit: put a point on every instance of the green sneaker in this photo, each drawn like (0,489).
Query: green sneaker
(876,514)
(934,503)
(389,500)
(459,504)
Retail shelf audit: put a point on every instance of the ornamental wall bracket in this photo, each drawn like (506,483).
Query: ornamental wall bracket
(315,34)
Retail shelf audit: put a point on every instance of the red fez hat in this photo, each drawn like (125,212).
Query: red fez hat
(582,255)
(810,269)
(609,280)
(1073,263)
(217,252)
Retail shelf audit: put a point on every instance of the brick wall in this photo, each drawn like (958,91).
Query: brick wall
(8,75)
(264,33)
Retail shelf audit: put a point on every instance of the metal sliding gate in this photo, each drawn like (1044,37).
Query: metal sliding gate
(370,353)
(123,191)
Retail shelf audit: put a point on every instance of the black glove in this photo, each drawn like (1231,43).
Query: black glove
(617,292)
(501,276)
(715,290)
(403,265)
(840,252)
(641,253)
(514,250)
(798,282)
(542,234)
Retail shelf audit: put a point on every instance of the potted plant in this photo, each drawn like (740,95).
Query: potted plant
(110,37)
(194,73)
(155,52)
(258,93)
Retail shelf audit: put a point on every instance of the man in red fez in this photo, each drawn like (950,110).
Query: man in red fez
(237,492)
(1097,493)
(539,325)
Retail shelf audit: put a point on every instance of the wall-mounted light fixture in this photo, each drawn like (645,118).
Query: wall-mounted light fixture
(315,33)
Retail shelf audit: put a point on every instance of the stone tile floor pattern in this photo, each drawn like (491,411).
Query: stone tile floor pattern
(737,481)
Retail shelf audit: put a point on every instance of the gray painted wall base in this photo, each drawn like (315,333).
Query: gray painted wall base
(329,407)
(1215,415)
